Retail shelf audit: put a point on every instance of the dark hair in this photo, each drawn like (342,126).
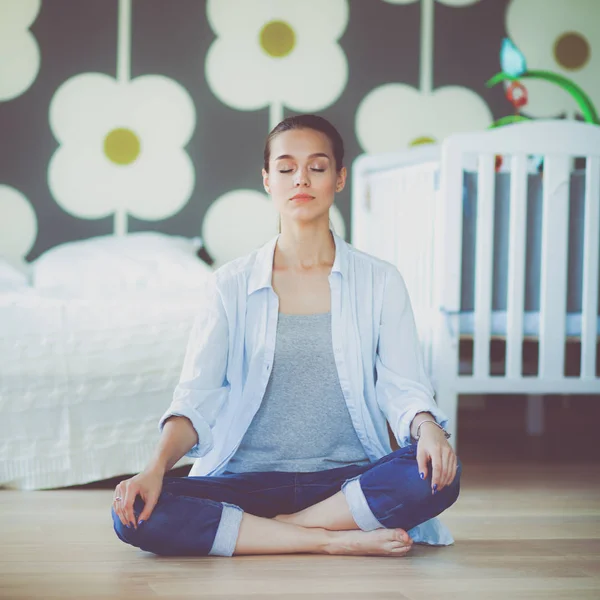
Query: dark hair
(308,122)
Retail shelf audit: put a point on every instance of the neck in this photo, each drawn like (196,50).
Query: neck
(305,247)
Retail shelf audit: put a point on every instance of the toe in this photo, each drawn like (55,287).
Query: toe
(401,536)
(405,536)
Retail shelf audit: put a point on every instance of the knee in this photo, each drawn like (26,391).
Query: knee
(130,535)
(399,484)
(448,494)
(178,526)
(402,499)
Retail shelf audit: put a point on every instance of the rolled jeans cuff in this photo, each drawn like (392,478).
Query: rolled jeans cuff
(228,531)
(359,508)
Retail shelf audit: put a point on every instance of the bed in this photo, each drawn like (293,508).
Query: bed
(87,367)
(494,248)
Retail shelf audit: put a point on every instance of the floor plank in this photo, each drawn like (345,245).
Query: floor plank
(529,531)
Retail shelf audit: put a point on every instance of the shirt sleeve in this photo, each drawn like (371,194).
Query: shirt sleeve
(403,388)
(203,387)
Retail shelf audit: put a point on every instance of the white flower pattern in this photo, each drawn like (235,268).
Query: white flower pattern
(19,50)
(18,224)
(266,52)
(121,147)
(395,116)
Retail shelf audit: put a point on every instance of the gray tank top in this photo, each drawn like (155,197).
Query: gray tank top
(303,423)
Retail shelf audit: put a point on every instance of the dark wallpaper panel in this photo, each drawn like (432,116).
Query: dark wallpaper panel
(381,43)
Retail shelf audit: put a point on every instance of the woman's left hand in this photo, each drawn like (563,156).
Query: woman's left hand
(434,446)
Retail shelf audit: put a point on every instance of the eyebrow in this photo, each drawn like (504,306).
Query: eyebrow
(310,156)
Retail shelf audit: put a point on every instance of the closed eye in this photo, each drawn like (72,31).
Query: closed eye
(290,170)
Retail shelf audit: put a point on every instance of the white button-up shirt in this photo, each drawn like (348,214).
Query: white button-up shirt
(376,349)
(231,347)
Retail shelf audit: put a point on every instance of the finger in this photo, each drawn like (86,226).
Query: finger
(121,508)
(121,513)
(447,468)
(422,463)
(454,468)
(128,501)
(149,504)
(436,467)
(118,505)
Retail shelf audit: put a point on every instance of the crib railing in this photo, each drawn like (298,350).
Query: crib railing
(589,296)
(559,143)
(399,214)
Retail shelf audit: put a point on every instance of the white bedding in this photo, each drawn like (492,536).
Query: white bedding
(83,382)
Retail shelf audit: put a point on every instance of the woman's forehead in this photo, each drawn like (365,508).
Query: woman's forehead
(300,143)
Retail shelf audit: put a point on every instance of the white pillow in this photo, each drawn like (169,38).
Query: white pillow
(14,274)
(110,264)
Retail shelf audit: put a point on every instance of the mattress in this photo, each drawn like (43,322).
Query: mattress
(531,324)
(83,382)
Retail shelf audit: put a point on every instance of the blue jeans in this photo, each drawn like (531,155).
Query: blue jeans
(201,516)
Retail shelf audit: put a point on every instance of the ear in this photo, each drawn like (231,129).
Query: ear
(341,179)
(265,177)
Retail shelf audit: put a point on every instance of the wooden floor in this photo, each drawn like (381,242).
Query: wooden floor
(522,532)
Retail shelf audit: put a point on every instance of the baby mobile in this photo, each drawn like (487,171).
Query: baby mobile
(514,68)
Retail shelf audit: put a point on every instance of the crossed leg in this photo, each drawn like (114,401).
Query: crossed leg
(326,527)
(258,535)
(333,514)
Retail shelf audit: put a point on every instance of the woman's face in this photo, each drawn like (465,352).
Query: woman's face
(302,163)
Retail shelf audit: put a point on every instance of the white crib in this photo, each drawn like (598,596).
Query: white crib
(409,208)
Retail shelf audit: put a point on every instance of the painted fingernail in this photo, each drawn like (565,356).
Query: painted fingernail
(422,475)
(140,522)
(435,488)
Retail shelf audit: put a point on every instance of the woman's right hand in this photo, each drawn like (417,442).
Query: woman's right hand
(148,485)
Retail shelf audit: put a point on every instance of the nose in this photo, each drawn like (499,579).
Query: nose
(301,178)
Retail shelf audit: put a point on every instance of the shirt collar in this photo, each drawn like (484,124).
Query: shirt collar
(262,270)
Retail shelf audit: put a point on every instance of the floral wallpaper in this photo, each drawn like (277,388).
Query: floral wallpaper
(131,115)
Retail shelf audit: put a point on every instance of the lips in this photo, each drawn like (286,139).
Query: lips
(303,197)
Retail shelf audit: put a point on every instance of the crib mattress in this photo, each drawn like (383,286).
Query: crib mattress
(531,324)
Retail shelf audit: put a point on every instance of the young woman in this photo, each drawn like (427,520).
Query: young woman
(303,353)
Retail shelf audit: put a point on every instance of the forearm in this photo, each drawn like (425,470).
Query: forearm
(178,437)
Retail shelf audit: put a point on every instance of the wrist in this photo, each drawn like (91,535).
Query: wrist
(436,425)
(432,428)
(417,420)
(157,468)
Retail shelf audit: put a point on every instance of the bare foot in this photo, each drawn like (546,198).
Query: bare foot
(380,542)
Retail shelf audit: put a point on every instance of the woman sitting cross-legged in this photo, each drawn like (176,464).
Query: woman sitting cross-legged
(303,352)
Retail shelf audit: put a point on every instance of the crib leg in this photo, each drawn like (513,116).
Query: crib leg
(447,400)
(535,415)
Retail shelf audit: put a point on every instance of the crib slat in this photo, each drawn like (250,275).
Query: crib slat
(553,284)
(516,265)
(484,265)
(589,297)
(448,244)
